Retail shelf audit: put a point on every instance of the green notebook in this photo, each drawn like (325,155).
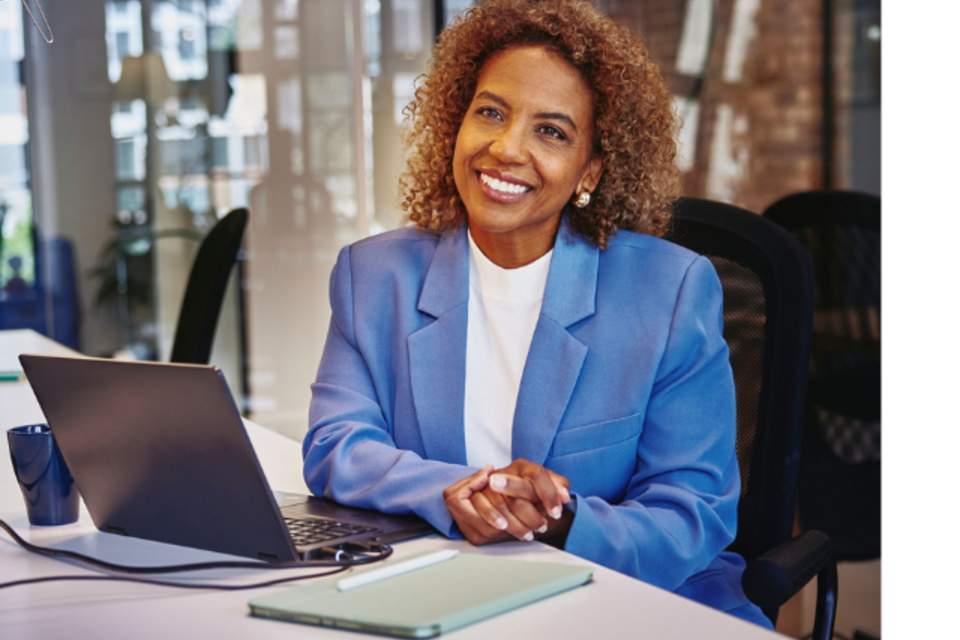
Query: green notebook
(426,602)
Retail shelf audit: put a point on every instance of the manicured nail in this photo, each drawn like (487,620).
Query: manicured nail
(565,493)
(498,483)
(528,536)
(501,523)
(542,529)
(556,512)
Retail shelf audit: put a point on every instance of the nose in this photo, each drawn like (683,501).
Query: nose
(510,145)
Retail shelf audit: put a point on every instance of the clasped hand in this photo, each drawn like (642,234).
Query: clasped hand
(523,500)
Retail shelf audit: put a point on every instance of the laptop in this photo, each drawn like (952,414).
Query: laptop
(158,451)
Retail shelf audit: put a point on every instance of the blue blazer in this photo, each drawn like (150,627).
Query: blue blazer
(627,391)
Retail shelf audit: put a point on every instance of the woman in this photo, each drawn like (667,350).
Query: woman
(531,360)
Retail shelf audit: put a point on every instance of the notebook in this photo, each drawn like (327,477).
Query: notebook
(426,602)
(159,452)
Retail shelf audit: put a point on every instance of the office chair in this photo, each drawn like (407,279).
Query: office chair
(57,265)
(767,311)
(206,287)
(51,306)
(839,491)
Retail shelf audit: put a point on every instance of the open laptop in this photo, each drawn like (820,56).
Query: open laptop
(158,451)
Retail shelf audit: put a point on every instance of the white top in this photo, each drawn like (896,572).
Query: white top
(504,306)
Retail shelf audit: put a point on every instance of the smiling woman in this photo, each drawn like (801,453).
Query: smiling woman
(531,360)
(632,123)
(524,149)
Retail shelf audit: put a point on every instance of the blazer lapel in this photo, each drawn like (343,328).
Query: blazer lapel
(438,351)
(556,357)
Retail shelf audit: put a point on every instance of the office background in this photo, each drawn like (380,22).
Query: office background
(146,121)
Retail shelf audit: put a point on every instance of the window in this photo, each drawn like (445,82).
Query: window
(17,253)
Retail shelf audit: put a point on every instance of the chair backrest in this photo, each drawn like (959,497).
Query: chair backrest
(58,272)
(767,310)
(206,287)
(841,230)
(839,490)
(52,305)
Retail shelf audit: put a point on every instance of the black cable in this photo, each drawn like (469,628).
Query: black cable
(182,585)
(381,552)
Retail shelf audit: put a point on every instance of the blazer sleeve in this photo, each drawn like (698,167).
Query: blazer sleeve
(349,452)
(680,507)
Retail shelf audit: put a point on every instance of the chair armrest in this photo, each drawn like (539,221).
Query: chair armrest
(776,576)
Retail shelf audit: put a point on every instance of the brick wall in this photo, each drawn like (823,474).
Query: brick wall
(758,137)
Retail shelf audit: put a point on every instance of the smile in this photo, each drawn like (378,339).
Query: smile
(502,186)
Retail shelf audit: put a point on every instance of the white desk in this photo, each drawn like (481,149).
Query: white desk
(613,606)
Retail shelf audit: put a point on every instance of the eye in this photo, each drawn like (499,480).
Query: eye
(552,132)
(489,112)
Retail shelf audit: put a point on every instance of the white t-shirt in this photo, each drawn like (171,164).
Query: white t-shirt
(504,306)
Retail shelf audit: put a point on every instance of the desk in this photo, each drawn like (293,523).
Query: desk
(614,606)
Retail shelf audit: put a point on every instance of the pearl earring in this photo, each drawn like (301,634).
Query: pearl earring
(582,200)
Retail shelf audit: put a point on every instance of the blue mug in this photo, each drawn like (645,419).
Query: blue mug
(47,485)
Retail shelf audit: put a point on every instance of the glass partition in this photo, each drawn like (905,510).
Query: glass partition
(21,300)
(287,107)
(129,144)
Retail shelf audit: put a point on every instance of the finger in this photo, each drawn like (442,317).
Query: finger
(528,514)
(480,479)
(523,517)
(562,484)
(471,483)
(471,534)
(534,483)
(476,537)
(553,488)
(457,498)
(494,509)
(467,518)
(488,512)
(513,486)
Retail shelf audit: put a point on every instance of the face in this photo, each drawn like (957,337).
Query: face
(524,149)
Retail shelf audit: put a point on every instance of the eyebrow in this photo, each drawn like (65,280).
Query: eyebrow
(555,115)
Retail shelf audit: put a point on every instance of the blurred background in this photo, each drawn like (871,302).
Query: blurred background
(123,143)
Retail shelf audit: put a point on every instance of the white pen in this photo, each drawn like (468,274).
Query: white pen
(376,575)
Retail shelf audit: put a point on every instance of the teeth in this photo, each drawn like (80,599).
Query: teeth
(500,185)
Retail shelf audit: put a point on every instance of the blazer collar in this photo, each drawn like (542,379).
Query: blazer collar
(447,282)
(571,292)
(438,350)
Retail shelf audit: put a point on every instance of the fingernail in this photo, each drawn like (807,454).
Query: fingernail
(542,529)
(501,523)
(497,482)
(555,512)
(565,493)
(528,536)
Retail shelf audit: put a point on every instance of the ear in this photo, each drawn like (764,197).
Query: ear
(591,177)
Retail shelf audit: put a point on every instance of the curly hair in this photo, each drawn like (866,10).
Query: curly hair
(633,133)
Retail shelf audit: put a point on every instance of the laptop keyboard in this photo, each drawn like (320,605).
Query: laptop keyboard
(309,531)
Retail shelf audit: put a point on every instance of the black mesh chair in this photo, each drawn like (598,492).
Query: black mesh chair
(206,287)
(839,490)
(767,311)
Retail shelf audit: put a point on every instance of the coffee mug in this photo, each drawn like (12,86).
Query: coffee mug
(48,488)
